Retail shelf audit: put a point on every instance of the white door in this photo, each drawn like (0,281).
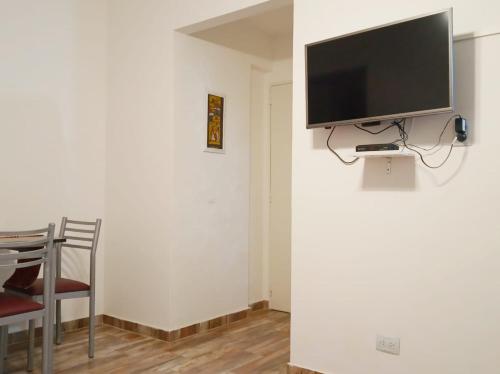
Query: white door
(280,209)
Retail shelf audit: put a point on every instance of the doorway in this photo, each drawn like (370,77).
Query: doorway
(263,41)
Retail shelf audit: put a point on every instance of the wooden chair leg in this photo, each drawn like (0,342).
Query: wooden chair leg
(91,325)
(31,343)
(58,323)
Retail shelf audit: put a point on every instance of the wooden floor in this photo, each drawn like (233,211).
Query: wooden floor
(259,344)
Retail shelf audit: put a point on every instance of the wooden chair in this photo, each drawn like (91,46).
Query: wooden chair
(78,235)
(29,251)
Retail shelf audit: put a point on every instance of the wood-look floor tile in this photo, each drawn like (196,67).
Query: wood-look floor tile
(258,344)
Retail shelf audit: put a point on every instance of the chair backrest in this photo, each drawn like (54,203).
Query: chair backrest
(29,249)
(79,235)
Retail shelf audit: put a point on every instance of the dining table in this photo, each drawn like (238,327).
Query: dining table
(29,238)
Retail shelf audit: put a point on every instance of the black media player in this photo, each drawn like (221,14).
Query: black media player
(377,147)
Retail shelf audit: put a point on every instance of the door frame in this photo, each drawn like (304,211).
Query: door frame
(268,238)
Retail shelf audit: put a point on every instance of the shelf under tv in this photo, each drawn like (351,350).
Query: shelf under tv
(402,152)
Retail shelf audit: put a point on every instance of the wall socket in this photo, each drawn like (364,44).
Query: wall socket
(388,345)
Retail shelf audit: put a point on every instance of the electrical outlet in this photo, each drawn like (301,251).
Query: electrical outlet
(388,345)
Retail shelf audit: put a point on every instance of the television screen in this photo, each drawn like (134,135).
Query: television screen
(400,70)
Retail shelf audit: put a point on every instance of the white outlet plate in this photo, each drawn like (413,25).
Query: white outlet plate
(388,345)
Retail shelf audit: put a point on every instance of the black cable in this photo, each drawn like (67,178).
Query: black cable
(335,153)
(432,166)
(440,135)
(404,138)
(374,132)
(402,130)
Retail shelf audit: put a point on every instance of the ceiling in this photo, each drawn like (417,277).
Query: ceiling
(267,34)
(275,23)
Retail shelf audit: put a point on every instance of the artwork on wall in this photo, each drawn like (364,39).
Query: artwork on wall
(215,123)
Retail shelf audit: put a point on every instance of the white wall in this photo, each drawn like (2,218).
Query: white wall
(413,254)
(180,254)
(53,121)
(210,251)
(138,194)
(282,71)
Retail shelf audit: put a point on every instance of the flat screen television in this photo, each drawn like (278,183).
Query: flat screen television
(402,69)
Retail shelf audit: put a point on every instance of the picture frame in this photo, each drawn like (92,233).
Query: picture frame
(215,123)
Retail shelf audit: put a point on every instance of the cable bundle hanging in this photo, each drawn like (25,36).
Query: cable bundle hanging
(404,138)
(335,153)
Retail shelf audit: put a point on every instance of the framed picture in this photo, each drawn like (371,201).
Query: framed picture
(215,123)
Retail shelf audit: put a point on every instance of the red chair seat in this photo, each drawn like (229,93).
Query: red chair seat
(63,285)
(11,305)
